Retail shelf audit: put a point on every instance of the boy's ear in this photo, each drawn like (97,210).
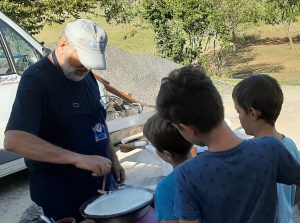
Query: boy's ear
(188,129)
(167,155)
(255,113)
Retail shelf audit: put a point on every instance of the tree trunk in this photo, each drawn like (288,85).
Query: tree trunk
(287,27)
(233,40)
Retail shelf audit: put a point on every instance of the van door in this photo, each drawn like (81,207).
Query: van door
(8,86)
(16,54)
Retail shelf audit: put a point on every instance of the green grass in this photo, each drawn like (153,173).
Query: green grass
(141,43)
(277,60)
(273,31)
(268,52)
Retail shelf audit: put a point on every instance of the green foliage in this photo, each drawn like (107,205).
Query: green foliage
(160,15)
(27,14)
(59,10)
(194,17)
(281,11)
(119,11)
(184,28)
(33,15)
(180,27)
(229,17)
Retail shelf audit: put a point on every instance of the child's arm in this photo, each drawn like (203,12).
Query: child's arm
(288,167)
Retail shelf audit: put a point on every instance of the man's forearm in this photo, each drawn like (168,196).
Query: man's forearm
(117,168)
(112,153)
(33,147)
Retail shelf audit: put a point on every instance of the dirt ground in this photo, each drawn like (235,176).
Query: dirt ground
(143,167)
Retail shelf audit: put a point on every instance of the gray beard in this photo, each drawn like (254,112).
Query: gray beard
(74,77)
(71,72)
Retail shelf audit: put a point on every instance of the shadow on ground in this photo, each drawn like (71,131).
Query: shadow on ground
(249,70)
(255,40)
(239,62)
(242,56)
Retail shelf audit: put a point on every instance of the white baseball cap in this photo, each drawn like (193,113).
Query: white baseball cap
(90,41)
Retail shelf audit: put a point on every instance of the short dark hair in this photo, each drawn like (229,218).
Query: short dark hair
(164,136)
(188,96)
(263,93)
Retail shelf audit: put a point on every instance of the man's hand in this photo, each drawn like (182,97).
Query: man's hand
(98,165)
(118,171)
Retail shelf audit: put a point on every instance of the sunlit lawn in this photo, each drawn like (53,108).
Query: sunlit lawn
(270,54)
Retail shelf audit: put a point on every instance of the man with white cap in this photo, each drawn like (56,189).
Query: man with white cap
(58,124)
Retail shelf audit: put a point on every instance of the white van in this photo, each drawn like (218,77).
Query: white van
(18,50)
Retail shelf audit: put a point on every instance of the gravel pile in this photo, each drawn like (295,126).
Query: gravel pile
(139,75)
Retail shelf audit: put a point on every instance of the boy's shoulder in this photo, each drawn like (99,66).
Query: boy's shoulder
(264,139)
(290,145)
(168,181)
(267,145)
(288,141)
(253,147)
(265,142)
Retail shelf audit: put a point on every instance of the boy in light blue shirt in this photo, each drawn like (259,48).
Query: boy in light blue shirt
(258,100)
(174,149)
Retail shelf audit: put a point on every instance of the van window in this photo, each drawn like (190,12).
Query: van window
(4,65)
(23,53)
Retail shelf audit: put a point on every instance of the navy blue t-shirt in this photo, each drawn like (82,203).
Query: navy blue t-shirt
(237,185)
(68,114)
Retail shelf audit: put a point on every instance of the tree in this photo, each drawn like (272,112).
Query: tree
(180,27)
(184,28)
(230,16)
(282,12)
(119,11)
(169,42)
(27,14)
(33,15)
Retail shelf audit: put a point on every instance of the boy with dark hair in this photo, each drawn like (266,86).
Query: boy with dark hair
(258,100)
(235,180)
(174,149)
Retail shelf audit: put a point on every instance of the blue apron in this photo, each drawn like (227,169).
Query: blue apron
(74,120)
